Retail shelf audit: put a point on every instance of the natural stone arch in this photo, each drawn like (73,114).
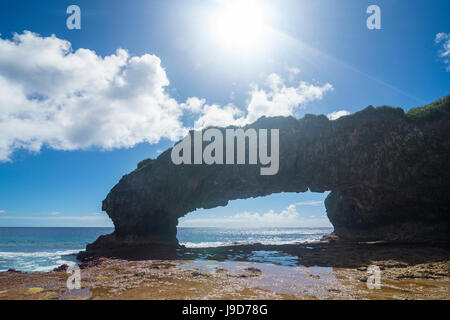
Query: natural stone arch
(387,171)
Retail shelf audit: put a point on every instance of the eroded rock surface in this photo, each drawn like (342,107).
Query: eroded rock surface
(387,170)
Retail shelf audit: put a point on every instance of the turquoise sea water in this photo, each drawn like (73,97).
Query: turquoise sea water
(42,249)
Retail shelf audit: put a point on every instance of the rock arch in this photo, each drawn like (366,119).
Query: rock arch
(387,172)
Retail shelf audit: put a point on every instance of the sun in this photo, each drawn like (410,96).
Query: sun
(240,25)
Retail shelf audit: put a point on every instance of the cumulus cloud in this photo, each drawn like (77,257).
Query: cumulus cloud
(274,99)
(65,99)
(194,104)
(443,39)
(280,100)
(289,217)
(286,217)
(52,95)
(309,203)
(293,70)
(337,114)
(215,115)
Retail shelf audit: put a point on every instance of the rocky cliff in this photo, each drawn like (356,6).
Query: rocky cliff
(387,171)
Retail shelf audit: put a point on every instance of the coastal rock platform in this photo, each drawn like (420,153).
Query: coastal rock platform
(309,271)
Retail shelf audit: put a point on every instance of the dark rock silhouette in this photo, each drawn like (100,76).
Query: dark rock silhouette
(387,171)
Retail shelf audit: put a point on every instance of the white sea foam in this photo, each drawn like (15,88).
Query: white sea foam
(8,254)
(214,244)
(206,244)
(41,261)
(283,231)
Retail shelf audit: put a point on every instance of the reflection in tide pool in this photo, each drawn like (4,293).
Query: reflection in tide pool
(275,257)
(284,279)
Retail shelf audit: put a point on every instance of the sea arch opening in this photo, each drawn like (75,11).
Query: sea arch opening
(279,218)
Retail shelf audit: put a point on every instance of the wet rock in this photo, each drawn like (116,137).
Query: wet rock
(62,267)
(14,270)
(253,271)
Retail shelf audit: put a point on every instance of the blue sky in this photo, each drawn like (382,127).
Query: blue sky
(58,163)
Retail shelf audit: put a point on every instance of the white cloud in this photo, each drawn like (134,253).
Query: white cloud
(51,95)
(56,221)
(337,114)
(444,39)
(293,70)
(280,100)
(2,211)
(56,218)
(276,99)
(286,218)
(215,115)
(309,203)
(194,104)
(55,213)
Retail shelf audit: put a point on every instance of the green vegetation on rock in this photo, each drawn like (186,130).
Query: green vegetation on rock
(432,110)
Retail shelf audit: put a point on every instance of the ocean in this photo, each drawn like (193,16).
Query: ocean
(43,249)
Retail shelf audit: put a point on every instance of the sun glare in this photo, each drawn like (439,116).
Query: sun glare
(240,25)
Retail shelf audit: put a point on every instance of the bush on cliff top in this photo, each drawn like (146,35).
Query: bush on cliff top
(431,111)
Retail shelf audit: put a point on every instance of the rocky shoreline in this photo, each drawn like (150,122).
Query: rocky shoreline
(321,270)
